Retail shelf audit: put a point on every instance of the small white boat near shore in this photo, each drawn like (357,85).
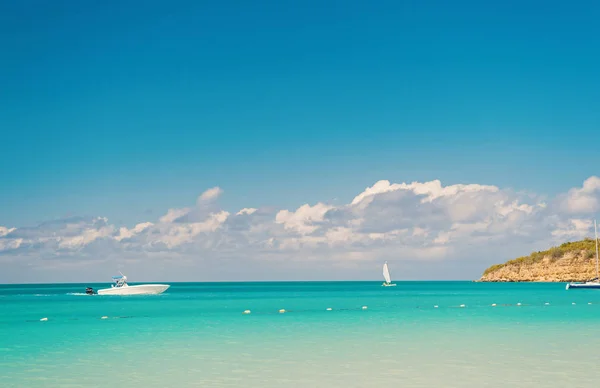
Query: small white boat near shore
(591,284)
(122,288)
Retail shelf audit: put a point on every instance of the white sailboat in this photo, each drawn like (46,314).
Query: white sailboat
(122,288)
(594,283)
(386,276)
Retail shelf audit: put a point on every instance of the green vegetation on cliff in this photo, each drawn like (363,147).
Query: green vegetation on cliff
(586,246)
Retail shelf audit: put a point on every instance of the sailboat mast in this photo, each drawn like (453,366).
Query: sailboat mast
(596,235)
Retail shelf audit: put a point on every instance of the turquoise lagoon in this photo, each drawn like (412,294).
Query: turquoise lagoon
(195,335)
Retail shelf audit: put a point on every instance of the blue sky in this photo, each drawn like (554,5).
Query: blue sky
(123,110)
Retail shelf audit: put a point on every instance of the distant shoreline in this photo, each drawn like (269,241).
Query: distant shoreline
(521,281)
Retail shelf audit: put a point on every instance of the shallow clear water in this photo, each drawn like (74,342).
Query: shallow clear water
(196,335)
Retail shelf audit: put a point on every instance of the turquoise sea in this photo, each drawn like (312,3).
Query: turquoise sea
(195,335)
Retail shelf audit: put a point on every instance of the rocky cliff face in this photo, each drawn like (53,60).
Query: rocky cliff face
(569,262)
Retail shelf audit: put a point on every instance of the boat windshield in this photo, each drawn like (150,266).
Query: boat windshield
(119,280)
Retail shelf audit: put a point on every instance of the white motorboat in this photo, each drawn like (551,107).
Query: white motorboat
(386,276)
(122,288)
(594,283)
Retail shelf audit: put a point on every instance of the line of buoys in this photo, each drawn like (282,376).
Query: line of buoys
(76,319)
(508,305)
(282,311)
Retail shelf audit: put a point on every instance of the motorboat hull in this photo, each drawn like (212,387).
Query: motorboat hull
(583,285)
(141,289)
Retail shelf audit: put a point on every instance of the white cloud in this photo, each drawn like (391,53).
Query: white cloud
(178,234)
(210,194)
(585,199)
(304,219)
(129,233)
(246,210)
(408,223)
(10,244)
(174,214)
(4,230)
(85,237)
(573,229)
(429,190)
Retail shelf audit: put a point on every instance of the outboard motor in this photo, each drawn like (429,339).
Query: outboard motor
(89,291)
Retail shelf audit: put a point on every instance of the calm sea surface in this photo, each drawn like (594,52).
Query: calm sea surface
(196,335)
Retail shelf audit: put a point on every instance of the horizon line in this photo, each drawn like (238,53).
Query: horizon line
(250,281)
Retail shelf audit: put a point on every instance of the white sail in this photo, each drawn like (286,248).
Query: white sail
(386,273)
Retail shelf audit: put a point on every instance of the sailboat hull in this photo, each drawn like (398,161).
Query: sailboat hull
(583,285)
(389,285)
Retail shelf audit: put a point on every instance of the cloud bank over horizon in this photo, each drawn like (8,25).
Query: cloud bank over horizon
(424,229)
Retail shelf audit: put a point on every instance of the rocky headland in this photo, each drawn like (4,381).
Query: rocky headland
(569,262)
